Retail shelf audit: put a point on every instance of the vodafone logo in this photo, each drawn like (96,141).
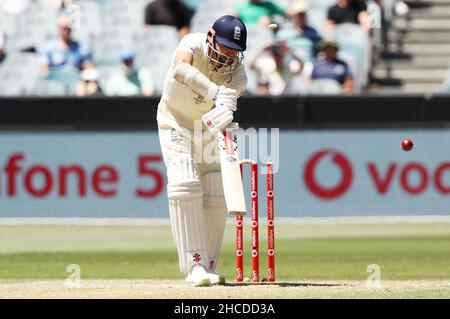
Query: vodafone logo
(312,182)
(391,178)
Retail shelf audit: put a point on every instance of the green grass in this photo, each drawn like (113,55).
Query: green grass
(304,252)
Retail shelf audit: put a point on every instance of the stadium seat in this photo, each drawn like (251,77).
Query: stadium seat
(283,3)
(106,72)
(27,61)
(7,24)
(201,22)
(322,5)
(34,27)
(91,21)
(48,88)
(19,74)
(155,49)
(66,76)
(38,15)
(388,9)
(109,45)
(323,87)
(219,7)
(194,4)
(446,84)
(208,11)
(157,37)
(22,65)
(257,37)
(317,18)
(352,62)
(353,39)
(125,15)
(10,85)
(303,48)
(252,80)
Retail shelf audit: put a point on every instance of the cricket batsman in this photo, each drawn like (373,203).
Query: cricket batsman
(203,84)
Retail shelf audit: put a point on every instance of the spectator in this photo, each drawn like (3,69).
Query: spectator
(169,12)
(89,84)
(328,66)
(2,48)
(130,81)
(300,28)
(348,11)
(64,52)
(276,65)
(258,12)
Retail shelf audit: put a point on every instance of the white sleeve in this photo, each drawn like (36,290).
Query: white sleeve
(239,81)
(190,42)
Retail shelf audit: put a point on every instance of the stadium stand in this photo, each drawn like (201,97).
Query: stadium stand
(417,47)
(409,53)
(19,74)
(155,50)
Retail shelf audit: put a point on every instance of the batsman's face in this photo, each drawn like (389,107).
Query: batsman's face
(221,56)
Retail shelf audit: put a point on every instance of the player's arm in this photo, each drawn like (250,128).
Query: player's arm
(190,76)
(225,98)
(183,56)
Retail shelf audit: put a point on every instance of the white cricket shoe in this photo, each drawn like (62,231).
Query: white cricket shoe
(215,278)
(198,277)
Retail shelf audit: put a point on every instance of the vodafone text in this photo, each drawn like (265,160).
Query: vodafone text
(39,180)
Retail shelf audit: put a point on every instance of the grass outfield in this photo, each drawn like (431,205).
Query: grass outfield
(304,253)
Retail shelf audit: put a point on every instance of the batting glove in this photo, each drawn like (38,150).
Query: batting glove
(217,119)
(226,98)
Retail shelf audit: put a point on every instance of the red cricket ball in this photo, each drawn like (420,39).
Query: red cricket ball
(407,145)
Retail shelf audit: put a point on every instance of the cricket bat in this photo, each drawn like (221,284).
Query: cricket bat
(231,172)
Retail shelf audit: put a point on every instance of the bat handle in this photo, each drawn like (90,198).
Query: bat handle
(233,126)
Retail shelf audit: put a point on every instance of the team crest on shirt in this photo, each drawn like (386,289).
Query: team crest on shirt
(237,33)
(199,100)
